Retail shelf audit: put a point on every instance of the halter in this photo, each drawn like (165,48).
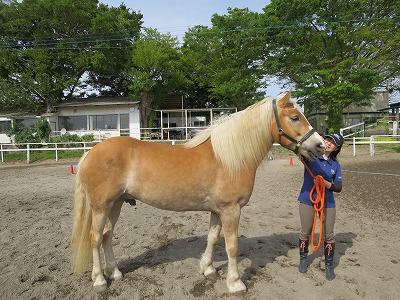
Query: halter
(283,133)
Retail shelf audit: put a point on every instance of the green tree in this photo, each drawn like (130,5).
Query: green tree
(155,71)
(111,58)
(48,47)
(226,59)
(335,52)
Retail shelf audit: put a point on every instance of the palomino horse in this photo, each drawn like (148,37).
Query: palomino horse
(215,171)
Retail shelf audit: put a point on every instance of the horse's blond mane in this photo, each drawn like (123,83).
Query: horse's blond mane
(242,138)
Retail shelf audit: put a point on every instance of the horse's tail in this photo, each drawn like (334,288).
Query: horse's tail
(82,221)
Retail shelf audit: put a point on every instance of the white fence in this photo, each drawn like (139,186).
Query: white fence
(55,147)
(353,130)
(375,140)
(4,148)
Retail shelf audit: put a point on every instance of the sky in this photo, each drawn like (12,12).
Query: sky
(176,16)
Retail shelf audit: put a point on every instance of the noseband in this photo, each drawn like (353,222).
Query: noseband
(283,133)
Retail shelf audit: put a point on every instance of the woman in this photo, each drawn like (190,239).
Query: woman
(329,168)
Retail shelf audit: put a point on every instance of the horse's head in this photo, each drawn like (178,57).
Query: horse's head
(291,129)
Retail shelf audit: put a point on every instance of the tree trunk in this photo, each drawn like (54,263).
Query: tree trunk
(147,99)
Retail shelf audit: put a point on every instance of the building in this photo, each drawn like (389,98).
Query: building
(354,114)
(183,124)
(102,117)
(119,116)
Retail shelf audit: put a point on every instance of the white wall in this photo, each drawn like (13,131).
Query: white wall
(132,110)
(4,139)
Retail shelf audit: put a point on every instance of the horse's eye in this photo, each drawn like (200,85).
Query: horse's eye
(295,118)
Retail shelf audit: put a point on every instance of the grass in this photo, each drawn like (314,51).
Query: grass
(389,147)
(41,155)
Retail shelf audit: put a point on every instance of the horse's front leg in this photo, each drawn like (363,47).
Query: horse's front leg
(230,222)
(206,263)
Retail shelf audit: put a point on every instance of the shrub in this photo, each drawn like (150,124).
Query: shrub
(21,134)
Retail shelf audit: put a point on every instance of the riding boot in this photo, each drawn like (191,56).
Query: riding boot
(303,247)
(329,252)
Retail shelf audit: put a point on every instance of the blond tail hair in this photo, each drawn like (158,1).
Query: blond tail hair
(81,255)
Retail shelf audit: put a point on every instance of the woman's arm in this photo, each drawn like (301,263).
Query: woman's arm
(334,186)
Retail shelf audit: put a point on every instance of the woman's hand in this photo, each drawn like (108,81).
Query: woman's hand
(328,184)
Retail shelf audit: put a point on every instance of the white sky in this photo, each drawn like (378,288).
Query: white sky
(176,16)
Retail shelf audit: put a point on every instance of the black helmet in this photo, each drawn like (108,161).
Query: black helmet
(336,137)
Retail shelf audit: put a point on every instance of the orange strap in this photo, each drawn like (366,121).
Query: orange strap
(318,203)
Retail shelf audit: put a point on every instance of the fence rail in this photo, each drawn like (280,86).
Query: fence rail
(353,130)
(57,147)
(30,147)
(374,140)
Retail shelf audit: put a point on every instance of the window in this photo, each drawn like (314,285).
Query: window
(4,126)
(73,123)
(124,121)
(28,122)
(103,122)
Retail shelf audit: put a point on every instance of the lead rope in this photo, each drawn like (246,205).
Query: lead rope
(318,203)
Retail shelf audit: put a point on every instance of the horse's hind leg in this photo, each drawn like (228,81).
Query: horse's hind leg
(99,219)
(206,263)
(111,270)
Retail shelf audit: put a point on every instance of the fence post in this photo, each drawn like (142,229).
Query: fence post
(28,154)
(1,149)
(55,147)
(372,145)
(354,146)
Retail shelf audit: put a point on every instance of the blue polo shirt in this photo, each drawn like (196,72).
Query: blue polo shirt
(330,170)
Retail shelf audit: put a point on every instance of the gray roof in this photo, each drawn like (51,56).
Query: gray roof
(101,101)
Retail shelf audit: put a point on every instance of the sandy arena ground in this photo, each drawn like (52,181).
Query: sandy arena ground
(158,251)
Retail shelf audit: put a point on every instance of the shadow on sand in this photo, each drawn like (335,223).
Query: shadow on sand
(259,250)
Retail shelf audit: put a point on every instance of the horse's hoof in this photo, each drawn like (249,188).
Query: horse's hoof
(209,271)
(100,288)
(237,287)
(100,285)
(116,275)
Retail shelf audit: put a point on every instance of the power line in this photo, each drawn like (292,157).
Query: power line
(29,43)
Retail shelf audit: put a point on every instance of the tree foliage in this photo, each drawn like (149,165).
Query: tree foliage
(335,52)
(226,60)
(155,71)
(48,46)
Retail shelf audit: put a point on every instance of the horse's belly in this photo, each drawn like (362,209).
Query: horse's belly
(175,199)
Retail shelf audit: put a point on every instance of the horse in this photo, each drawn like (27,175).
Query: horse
(214,172)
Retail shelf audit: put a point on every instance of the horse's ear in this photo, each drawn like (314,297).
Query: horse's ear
(284,99)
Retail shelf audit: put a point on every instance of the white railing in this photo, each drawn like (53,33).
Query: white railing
(170,133)
(359,128)
(57,147)
(4,148)
(375,140)
(29,147)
